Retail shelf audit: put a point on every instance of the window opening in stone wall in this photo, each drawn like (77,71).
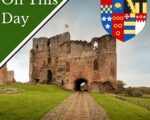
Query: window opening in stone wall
(68,49)
(37,80)
(37,47)
(48,43)
(49,76)
(62,82)
(96,64)
(67,67)
(95,45)
(49,60)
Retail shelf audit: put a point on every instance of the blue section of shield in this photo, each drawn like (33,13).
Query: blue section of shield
(107,22)
(118,6)
(128,36)
(129,27)
(132,19)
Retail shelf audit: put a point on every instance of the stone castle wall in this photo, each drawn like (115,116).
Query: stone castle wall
(65,62)
(6,77)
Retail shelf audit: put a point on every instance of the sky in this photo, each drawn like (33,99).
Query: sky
(83,18)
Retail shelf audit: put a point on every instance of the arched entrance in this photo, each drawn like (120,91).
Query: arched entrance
(81,85)
(107,87)
(49,76)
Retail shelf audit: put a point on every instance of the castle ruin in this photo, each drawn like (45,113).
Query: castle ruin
(6,77)
(69,63)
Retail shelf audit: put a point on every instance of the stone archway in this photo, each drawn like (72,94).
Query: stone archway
(81,84)
(107,87)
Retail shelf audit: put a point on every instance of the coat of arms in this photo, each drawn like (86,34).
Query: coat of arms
(123,19)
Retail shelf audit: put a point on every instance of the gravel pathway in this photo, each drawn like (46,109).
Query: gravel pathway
(79,106)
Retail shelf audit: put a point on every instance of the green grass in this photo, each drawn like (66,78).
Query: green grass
(120,110)
(146,96)
(32,104)
(144,102)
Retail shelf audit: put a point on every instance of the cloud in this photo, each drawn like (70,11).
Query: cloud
(20,63)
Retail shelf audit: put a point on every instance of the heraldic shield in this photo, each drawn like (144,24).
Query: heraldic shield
(123,19)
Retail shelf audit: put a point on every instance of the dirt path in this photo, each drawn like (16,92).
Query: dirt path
(79,106)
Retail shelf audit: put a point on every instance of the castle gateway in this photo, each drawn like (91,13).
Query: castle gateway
(71,64)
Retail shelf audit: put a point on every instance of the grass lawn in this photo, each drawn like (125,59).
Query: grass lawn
(120,110)
(144,102)
(31,104)
(146,96)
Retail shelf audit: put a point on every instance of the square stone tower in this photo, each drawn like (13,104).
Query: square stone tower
(70,63)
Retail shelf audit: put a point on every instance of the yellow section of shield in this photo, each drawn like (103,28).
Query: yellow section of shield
(129,31)
(129,23)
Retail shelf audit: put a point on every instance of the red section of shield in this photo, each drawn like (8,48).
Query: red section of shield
(106,2)
(118,26)
(141,17)
(127,16)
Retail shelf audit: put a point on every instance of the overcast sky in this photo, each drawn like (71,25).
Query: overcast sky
(83,17)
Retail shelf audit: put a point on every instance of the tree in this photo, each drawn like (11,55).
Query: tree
(129,91)
(137,93)
(120,87)
(133,92)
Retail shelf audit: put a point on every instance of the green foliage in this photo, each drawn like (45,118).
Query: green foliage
(120,110)
(120,87)
(137,94)
(133,92)
(32,104)
(129,91)
(145,90)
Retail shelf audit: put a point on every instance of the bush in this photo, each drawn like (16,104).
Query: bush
(133,92)
(137,94)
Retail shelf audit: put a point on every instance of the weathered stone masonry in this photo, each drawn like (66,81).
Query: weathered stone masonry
(6,77)
(68,63)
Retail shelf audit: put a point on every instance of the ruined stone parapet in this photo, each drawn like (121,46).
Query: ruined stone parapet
(41,44)
(6,77)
